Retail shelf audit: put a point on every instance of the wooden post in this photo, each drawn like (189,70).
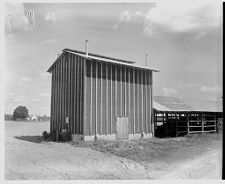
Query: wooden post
(216,121)
(202,123)
(188,129)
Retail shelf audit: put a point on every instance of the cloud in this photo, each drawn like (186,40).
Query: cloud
(45,74)
(182,16)
(169,91)
(190,85)
(26,79)
(35,100)
(46,94)
(138,13)
(50,41)
(51,17)
(15,18)
(210,89)
(124,17)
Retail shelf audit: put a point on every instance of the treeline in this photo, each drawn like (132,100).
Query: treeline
(9,117)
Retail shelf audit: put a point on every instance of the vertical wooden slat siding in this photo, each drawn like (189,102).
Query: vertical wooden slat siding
(151,104)
(147,100)
(111,99)
(121,91)
(80,96)
(60,94)
(115,91)
(106,78)
(83,94)
(134,99)
(138,101)
(129,93)
(91,77)
(101,98)
(56,99)
(59,79)
(93,93)
(63,91)
(53,118)
(75,95)
(96,98)
(72,94)
(69,88)
(142,103)
(125,110)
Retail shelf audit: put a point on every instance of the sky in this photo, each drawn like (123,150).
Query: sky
(182,39)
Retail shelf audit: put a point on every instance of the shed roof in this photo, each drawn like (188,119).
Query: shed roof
(162,103)
(101,58)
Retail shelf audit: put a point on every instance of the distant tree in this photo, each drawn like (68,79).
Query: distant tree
(21,112)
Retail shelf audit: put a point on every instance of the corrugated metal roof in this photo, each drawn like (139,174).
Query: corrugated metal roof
(99,56)
(102,58)
(185,104)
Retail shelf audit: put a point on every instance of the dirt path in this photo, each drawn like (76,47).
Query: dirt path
(33,161)
(206,166)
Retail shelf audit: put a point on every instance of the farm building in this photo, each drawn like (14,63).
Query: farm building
(176,116)
(99,97)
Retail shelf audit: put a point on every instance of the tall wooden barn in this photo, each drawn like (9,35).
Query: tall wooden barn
(99,97)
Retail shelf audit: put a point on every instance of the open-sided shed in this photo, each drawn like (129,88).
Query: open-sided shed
(95,97)
(176,116)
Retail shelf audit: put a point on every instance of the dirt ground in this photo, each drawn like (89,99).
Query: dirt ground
(28,158)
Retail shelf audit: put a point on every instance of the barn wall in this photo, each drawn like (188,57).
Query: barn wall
(115,90)
(67,94)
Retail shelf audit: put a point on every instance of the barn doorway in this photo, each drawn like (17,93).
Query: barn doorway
(121,128)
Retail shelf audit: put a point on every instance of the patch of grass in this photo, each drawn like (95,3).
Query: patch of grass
(151,150)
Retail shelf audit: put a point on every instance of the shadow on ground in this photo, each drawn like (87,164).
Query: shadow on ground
(35,139)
